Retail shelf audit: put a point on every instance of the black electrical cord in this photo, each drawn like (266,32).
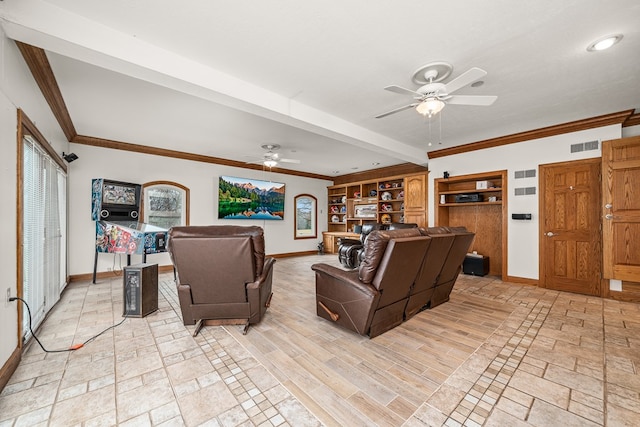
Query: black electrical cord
(73,347)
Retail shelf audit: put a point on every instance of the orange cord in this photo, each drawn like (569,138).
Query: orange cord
(76,346)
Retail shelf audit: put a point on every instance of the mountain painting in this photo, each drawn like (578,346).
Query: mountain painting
(242,198)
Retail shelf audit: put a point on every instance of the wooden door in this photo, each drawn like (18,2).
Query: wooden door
(621,208)
(570,242)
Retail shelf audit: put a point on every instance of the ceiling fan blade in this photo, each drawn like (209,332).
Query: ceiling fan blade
(289,160)
(401,90)
(464,79)
(472,99)
(397,110)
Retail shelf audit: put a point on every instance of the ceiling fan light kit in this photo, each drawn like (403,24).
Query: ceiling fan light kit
(433,95)
(271,159)
(430,107)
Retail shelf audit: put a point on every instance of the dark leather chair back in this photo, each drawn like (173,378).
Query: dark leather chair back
(425,283)
(452,266)
(222,272)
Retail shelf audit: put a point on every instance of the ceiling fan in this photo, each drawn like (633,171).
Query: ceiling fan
(270,158)
(431,97)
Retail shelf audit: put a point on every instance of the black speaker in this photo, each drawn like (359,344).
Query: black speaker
(140,290)
(476,265)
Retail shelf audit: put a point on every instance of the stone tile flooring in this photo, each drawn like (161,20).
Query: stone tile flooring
(558,359)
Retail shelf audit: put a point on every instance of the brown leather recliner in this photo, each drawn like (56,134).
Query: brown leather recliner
(223,276)
(440,268)
(350,251)
(372,299)
(452,266)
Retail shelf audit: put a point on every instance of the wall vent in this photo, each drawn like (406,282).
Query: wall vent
(529,173)
(525,191)
(584,146)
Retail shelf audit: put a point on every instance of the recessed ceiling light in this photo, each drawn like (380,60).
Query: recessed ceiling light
(336,171)
(375,163)
(604,43)
(355,168)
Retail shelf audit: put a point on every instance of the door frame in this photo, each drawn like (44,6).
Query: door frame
(542,283)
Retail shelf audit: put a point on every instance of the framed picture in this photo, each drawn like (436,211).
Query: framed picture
(244,198)
(305,217)
(366,211)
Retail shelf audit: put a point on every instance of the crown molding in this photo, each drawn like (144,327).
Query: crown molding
(575,126)
(155,151)
(632,120)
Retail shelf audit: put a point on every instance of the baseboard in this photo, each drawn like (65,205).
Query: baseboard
(110,274)
(10,367)
(521,280)
(293,254)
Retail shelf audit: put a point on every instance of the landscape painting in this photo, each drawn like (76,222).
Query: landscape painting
(243,198)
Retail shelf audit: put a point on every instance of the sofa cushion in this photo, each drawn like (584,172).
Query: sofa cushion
(374,248)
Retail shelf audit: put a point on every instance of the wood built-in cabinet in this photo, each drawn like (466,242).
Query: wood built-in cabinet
(486,217)
(390,199)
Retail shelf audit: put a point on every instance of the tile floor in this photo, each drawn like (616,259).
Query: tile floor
(557,359)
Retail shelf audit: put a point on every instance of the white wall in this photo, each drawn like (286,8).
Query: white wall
(523,236)
(17,90)
(202,181)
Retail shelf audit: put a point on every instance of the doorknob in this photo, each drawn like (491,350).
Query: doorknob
(550,234)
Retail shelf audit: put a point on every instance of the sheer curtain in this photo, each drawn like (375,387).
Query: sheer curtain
(44,234)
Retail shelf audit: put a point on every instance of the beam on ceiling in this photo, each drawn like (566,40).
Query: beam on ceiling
(54,29)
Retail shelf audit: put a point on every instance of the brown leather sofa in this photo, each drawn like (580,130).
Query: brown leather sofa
(223,276)
(402,272)
(350,250)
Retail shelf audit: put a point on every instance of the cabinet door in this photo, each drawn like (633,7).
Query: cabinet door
(415,193)
(416,217)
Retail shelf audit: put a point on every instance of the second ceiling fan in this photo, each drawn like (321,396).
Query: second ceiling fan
(431,97)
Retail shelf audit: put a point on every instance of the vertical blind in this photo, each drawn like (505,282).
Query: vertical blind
(44,234)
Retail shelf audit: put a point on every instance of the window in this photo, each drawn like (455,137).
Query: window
(43,232)
(305,217)
(166,204)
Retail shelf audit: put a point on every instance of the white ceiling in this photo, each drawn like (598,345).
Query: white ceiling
(222,78)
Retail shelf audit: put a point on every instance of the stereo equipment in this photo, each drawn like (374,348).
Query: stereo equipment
(140,290)
(468,198)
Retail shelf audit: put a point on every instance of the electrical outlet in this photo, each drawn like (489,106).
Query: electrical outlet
(6,301)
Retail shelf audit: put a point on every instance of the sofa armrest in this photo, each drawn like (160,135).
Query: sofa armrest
(342,298)
(259,291)
(349,241)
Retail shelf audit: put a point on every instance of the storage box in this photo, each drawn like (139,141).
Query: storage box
(476,265)
(483,185)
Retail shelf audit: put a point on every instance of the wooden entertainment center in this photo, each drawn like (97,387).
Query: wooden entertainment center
(487,217)
(400,198)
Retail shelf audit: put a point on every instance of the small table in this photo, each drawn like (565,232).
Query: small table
(331,238)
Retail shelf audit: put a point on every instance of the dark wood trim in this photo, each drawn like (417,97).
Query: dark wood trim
(38,63)
(25,124)
(10,367)
(155,151)
(171,184)
(578,125)
(292,254)
(20,218)
(374,174)
(632,120)
(521,280)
